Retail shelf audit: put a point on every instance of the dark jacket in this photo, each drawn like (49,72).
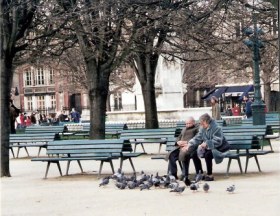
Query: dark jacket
(248,108)
(185,135)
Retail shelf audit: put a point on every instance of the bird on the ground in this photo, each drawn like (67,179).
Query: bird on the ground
(231,189)
(194,187)
(178,190)
(121,185)
(156,180)
(206,187)
(172,178)
(144,186)
(198,177)
(144,176)
(104,181)
(132,185)
(166,181)
(117,174)
(173,184)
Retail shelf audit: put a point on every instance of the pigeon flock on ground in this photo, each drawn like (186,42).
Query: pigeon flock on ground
(146,182)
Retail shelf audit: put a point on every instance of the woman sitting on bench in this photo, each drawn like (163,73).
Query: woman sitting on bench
(211,143)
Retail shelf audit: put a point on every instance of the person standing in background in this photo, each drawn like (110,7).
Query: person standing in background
(236,110)
(216,114)
(248,108)
(75,116)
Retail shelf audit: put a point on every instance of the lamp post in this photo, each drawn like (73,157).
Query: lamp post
(255,45)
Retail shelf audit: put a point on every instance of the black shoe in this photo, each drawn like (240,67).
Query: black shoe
(187,182)
(182,177)
(208,178)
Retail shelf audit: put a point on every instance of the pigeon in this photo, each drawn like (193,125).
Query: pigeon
(198,177)
(156,180)
(178,190)
(144,177)
(144,186)
(231,189)
(117,175)
(166,182)
(104,181)
(173,184)
(206,187)
(194,187)
(120,177)
(121,185)
(132,185)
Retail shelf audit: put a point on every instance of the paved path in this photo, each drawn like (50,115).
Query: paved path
(26,193)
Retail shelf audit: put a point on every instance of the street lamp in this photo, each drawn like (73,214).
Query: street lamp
(255,45)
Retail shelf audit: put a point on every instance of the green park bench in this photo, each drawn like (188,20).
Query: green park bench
(40,140)
(240,145)
(148,136)
(78,150)
(44,129)
(112,130)
(261,131)
(244,146)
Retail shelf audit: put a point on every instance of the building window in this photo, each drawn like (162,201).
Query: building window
(118,101)
(51,76)
(29,103)
(28,77)
(41,102)
(40,76)
(53,102)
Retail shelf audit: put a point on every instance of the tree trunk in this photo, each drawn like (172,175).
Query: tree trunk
(149,96)
(98,92)
(267,97)
(6,77)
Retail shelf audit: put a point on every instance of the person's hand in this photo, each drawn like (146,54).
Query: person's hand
(203,145)
(185,148)
(182,143)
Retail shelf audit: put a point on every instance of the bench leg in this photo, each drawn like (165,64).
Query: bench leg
(68,166)
(239,163)
(159,147)
(121,163)
(228,165)
(25,150)
(59,168)
(47,169)
(12,150)
(39,150)
(269,143)
(247,162)
(100,168)
(112,166)
(141,145)
(80,165)
(257,161)
(131,163)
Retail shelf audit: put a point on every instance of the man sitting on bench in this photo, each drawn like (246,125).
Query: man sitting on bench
(184,155)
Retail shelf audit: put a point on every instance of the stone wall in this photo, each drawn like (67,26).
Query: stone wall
(180,114)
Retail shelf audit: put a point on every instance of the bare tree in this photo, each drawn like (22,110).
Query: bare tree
(159,35)
(16,18)
(73,73)
(221,56)
(99,27)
